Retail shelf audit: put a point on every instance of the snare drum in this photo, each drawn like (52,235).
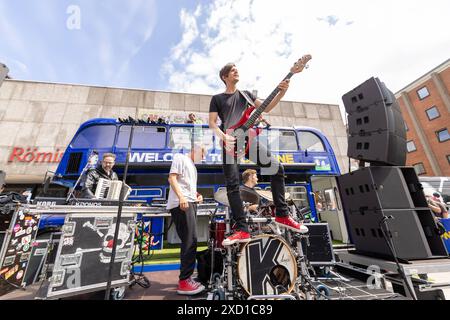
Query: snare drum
(267,266)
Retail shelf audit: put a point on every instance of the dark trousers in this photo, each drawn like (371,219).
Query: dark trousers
(186,226)
(232,180)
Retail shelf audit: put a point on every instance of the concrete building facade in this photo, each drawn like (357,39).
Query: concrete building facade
(38,120)
(425,105)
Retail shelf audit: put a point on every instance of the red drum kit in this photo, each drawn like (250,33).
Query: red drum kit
(271,266)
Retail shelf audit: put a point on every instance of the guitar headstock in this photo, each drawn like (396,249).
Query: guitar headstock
(301,64)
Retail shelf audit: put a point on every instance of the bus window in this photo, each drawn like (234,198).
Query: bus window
(97,136)
(204,136)
(180,138)
(206,192)
(328,200)
(311,142)
(144,137)
(279,140)
(299,196)
(217,143)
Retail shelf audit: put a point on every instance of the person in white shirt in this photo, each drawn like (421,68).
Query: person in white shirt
(182,204)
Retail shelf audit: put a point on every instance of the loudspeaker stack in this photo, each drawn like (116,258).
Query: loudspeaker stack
(377,132)
(386,198)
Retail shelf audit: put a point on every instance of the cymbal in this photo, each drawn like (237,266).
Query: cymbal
(248,196)
(221,197)
(267,195)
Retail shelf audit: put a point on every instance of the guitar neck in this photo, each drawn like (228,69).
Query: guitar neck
(257,113)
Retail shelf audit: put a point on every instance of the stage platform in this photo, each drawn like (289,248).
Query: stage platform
(163,286)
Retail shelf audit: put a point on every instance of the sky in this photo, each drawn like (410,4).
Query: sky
(180,45)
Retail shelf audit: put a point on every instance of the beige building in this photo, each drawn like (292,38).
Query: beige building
(38,120)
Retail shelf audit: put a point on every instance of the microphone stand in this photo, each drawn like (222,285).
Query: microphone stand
(390,244)
(89,163)
(119,212)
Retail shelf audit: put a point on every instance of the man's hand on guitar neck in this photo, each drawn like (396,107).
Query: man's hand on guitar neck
(284,86)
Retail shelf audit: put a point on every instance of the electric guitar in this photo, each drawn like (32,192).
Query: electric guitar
(244,130)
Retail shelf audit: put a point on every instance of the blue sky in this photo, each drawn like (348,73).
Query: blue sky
(179,45)
(119,43)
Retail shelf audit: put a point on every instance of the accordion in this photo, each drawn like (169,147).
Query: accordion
(110,189)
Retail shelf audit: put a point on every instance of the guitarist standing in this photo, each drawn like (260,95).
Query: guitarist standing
(230,107)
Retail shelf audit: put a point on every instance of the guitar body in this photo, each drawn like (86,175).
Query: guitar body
(244,138)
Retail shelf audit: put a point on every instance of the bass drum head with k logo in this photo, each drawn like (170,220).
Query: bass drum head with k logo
(267,266)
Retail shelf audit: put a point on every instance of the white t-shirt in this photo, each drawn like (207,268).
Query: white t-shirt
(186,172)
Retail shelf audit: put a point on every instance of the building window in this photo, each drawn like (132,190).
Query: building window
(443,135)
(448,158)
(406,127)
(420,168)
(410,146)
(433,113)
(423,93)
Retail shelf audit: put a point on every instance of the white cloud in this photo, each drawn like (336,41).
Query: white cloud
(350,41)
(118,35)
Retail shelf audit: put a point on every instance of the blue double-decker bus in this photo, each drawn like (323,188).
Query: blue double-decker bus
(309,160)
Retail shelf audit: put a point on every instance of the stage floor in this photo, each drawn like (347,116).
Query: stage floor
(163,286)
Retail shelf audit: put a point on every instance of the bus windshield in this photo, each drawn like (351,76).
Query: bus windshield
(101,136)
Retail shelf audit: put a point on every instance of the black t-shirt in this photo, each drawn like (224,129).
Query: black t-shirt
(230,107)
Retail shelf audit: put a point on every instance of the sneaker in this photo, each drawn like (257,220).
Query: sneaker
(291,224)
(237,237)
(189,287)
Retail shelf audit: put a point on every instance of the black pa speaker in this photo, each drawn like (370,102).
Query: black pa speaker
(375,188)
(377,131)
(374,194)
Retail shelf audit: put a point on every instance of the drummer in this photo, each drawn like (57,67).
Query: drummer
(250,180)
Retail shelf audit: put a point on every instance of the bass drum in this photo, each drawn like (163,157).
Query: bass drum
(267,266)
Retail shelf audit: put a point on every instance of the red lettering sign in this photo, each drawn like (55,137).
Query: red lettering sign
(32,155)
